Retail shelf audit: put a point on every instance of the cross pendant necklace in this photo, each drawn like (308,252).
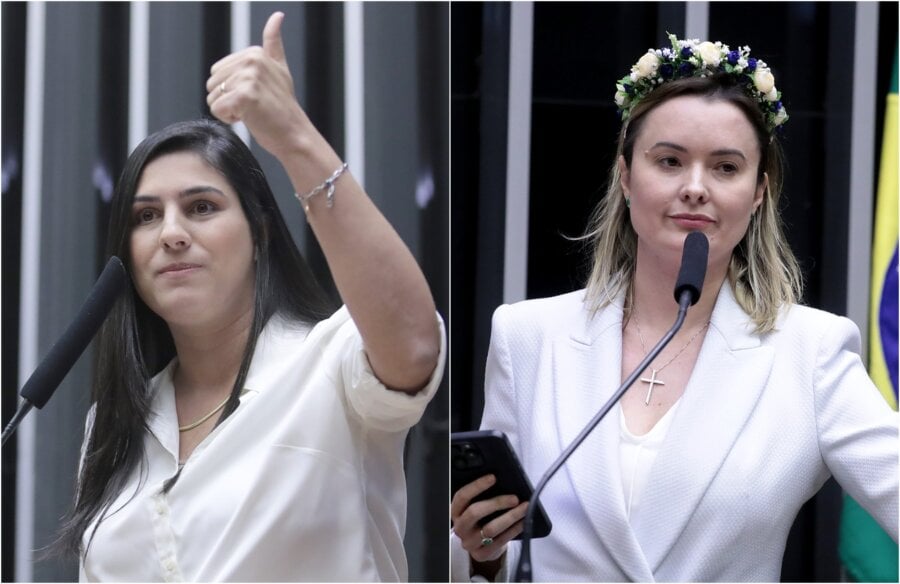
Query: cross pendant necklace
(653,380)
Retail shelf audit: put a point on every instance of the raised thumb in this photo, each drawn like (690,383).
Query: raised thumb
(272,45)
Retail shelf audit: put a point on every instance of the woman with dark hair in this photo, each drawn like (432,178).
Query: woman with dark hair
(699,471)
(240,430)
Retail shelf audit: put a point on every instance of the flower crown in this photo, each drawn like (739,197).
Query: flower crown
(691,58)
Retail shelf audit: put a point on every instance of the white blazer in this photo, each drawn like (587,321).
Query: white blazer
(763,422)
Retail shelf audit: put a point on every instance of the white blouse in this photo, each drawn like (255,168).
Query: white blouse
(304,481)
(636,456)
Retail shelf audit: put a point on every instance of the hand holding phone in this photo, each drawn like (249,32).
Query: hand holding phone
(488,452)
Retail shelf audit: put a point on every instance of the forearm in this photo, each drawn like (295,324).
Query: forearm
(375,273)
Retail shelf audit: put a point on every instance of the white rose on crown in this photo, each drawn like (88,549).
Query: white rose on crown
(764,81)
(710,53)
(647,65)
(780,117)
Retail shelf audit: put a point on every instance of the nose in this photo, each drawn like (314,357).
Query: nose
(173,234)
(694,190)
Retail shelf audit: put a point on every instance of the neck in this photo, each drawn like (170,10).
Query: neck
(209,357)
(653,301)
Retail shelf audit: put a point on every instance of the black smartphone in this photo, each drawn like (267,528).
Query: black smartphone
(475,454)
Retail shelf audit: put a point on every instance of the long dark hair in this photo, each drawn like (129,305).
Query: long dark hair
(135,343)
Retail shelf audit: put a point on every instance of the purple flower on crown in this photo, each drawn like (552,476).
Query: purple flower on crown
(733,57)
(685,69)
(666,70)
(751,65)
(686,52)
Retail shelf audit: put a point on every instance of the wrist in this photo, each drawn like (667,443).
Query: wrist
(308,160)
(488,569)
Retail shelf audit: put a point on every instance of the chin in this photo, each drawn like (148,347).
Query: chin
(185,309)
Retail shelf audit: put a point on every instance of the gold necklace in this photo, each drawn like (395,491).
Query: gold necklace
(204,418)
(654,380)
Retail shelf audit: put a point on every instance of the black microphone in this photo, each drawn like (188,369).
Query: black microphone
(693,266)
(62,356)
(687,292)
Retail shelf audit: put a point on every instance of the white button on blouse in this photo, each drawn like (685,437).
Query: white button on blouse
(304,481)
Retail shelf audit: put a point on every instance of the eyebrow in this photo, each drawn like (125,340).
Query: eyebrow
(188,192)
(680,148)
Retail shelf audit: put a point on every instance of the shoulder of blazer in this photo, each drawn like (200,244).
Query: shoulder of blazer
(807,324)
(542,316)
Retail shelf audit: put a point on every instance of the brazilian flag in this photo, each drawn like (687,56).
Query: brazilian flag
(867,552)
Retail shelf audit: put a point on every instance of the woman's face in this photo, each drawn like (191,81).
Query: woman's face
(192,252)
(694,168)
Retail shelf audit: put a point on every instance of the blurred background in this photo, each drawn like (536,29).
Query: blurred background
(533,135)
(83,83)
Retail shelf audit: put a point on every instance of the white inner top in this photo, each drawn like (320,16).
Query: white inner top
(636,455)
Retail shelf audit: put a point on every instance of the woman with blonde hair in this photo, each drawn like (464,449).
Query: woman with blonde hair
(699,471)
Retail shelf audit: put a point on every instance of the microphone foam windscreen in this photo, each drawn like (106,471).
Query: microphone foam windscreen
(62,356)
(693,266)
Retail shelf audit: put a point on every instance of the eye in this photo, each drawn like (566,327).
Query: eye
(203,207)
(668,162)
(728,168)
(145,215)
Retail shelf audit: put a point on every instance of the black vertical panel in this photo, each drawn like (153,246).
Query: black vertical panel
(324,101)
(670,19)
(795,44)
(579,54)
(432,90)
(216,39)
(493,122)
(887,54)
(465,96)
(112,112)
(13,116)
(479,209)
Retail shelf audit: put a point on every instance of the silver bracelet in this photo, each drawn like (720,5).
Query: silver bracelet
(328,185)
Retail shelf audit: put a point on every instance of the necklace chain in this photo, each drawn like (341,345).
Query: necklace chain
(653,380)
(686,345)
(193,425)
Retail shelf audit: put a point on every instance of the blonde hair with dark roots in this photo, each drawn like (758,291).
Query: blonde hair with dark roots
(763,272)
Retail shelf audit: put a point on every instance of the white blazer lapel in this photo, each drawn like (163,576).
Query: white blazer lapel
(729,376)
(587,368)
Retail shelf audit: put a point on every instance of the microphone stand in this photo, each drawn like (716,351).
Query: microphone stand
(24,407)
(523,571)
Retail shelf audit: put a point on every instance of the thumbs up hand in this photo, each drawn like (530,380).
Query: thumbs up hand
(255,86)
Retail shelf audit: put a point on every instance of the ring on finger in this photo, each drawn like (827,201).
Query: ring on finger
(485,540)
(222,87)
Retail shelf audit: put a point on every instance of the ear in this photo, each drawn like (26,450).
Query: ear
(624,176)
(760,191)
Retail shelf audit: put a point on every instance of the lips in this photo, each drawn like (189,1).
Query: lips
(692,220)
(179,267)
